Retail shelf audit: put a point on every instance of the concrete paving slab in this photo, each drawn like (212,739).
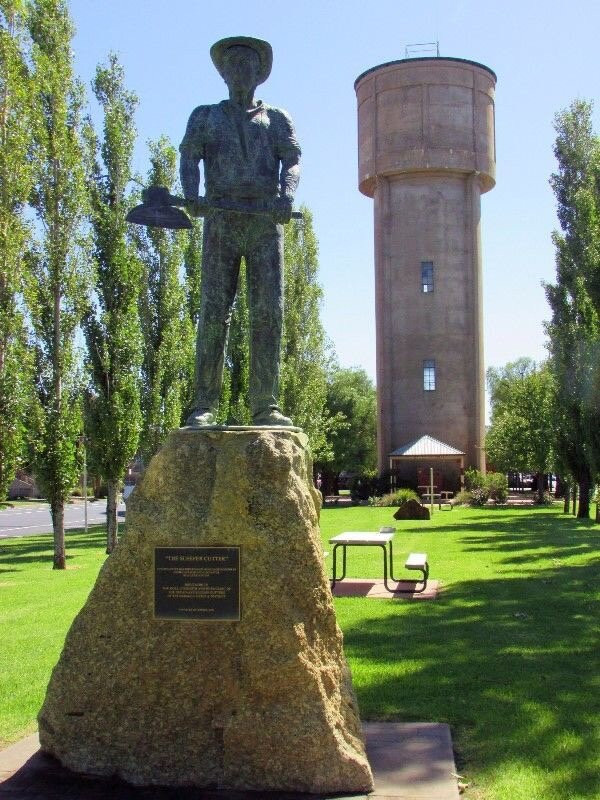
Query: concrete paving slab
(13,757)
(410,761)
(375,589)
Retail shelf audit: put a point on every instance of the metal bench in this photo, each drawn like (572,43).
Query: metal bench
(418,561)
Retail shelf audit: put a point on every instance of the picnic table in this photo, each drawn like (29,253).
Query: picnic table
(384,540)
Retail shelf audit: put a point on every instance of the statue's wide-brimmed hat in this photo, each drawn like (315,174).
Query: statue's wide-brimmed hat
(262,48)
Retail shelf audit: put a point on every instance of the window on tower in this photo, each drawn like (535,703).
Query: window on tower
(429,375)
(427,276)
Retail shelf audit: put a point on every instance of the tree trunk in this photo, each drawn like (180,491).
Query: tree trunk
(567,503)
(598,506)
(112,522)
(58,524)
(584,499)
(560,488)
(57,507)
(540,488)
(329,485)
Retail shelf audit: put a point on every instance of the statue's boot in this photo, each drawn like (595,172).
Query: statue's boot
(201,418)
(271,416)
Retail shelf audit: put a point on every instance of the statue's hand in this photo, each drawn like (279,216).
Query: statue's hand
(197,207)
(282,210)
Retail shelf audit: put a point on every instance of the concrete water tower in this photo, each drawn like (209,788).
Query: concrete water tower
(426,153)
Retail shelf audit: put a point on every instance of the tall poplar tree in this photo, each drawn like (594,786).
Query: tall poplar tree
(574,329)
(167,329)
(57,288)
(15,188)
(304,352)
(112,325)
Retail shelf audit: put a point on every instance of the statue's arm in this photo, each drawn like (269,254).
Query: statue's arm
(191,152)
(289,154)
(289,176)
(189,172)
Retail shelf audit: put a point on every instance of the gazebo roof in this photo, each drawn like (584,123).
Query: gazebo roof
(426,446)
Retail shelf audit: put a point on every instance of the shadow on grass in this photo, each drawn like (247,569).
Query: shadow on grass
(18,552)
(526,532)
(511,664)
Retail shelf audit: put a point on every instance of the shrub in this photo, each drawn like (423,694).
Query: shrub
(547,500)
(477,487)
(78,491)
(474,479)
(496,484)
(396,498)
(463,498)
(481,488)
(479,497)
(473,497)
(363,486)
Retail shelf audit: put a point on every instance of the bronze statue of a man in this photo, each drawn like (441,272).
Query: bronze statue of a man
(251,161)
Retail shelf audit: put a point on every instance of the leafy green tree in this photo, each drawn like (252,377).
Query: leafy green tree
(167,328)
(58,281)
(521,433)
(304,353)
(15,188)
(352,407)
(111,325)
(574,329)
(570,363)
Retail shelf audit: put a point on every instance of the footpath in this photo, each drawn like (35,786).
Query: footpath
(410,761)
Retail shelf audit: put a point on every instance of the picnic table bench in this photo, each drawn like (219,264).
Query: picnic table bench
(441,498)
(415,561)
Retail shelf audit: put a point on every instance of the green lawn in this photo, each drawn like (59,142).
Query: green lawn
(21,504)
(37,606)
(508,655)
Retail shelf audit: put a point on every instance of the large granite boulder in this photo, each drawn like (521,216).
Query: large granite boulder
(412,509)
(265,702)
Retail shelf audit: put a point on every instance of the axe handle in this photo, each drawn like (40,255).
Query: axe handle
(229,205)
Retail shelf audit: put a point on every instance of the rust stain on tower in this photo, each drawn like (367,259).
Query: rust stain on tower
(426,154)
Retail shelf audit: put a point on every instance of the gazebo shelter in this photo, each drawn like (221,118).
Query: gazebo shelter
(411,463)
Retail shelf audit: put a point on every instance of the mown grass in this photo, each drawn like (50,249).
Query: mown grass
(37,606)
(508,655)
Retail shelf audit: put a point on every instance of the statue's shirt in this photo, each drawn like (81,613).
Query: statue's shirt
(244,151)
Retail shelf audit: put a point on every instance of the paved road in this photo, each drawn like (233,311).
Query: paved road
(31,521)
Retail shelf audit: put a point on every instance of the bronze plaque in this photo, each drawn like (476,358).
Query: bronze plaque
(197,583)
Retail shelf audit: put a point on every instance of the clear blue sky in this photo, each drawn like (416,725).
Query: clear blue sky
(545,54)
